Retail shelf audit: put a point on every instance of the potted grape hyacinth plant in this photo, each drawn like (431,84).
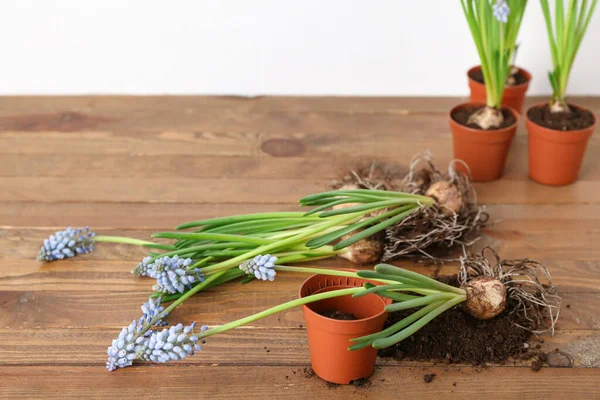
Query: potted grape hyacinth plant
(518,79)
(482,132)
(559,131)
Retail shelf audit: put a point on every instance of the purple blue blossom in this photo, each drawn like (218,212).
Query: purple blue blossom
(138,342)
(172,274)
(67,243)
(261,267)
(501,11)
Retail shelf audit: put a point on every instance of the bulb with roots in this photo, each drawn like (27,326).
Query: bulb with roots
(486,297)
(487,118)
(448,197)
(365,251)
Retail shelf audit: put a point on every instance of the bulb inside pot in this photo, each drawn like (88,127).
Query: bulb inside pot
(486,297)
(447,196)
(486,118)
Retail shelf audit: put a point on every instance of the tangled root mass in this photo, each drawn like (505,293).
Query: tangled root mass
(529,298)
(430,229)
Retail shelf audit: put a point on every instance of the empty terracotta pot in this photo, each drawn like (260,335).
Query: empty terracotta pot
(555,156)
(329,339)
(484,151)
(513,96)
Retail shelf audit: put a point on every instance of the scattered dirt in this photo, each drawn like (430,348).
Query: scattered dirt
(362,383)
(428,378)
(462,116)
(558,359)
(308,372)
(331,385)
(536,365)
(399,355)
(340,315)
(478,76)
(577,119)
(455,336)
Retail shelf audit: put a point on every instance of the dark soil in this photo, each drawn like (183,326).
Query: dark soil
(428,378)
(455,336)
(478,76)
(335,314)
(462,115)
(577,119)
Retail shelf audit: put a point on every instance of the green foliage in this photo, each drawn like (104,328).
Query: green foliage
(565,37)
(495,41)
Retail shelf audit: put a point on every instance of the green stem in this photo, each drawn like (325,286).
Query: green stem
(124,240)
(322,271)
(403,334)
(279,308)
(333,221)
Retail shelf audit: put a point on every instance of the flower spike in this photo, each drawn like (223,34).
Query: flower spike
(66,244)
(261,267)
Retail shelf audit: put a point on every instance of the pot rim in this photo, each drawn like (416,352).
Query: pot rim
(333,320)
(556,132)
(519,86)
(475,131)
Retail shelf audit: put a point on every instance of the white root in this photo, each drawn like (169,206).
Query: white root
(486,118)
(435,226)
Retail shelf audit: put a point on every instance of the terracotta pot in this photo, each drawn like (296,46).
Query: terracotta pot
(329,339)
(484,151)
(555,156)
(513,96)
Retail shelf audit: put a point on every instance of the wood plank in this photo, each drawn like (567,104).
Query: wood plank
(244,346)
(73,274)
(49,309)
(160,216)
(285,163)
(225,114)
(268,382)
(272,191)
(561,239)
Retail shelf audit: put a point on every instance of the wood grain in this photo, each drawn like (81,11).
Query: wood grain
(275,382)
(133,165)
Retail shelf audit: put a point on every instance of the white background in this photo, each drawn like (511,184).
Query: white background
(249,47)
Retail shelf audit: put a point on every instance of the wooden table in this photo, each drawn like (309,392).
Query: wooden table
(133,165)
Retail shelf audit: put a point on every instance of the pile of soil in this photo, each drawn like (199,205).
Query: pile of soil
(478,76)
(455,336)
(577,119)
(340,315)
(462,115)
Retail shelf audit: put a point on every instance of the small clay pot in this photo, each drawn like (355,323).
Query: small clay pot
(513,96)
(329,339)
(484,151)
(555,156)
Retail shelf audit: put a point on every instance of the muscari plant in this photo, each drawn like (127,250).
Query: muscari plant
(222,249)
(494,25)
(565,37)
(483,294)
